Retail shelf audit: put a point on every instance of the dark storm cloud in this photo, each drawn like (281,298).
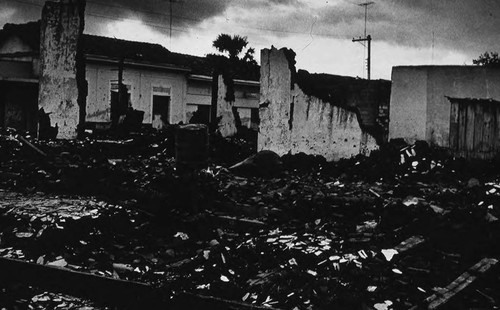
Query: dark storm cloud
(460,24)
(185,13)
(470,25)
(467,25)
(152,12)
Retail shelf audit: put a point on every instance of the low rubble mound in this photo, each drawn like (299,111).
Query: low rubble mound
(262,164)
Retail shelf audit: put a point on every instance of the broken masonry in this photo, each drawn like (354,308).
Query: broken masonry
(62,89)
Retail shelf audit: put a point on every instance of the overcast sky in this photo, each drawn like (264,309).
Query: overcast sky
(405,32)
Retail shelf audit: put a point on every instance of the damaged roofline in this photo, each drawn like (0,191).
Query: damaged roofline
(236,81)
(442,66)
(104,59)
(15,56)
(14,79)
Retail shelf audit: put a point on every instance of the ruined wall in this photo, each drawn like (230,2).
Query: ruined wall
(225,114)
(291,121)
(419,108)
(326,130)
(141,82)
(199,93)
(275,132)
(61,29)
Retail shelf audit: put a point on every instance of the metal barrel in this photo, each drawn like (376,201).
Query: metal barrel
(191,146)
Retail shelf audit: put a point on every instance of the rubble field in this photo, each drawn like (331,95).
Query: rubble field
(409,227)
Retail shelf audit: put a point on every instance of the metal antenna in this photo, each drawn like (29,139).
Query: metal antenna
(366,4)
(170,23)
(366,38)
(171,18)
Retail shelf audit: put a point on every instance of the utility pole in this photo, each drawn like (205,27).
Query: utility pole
(366,38)
(116,105)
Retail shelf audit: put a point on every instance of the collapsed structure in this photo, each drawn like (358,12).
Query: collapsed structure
(335,117)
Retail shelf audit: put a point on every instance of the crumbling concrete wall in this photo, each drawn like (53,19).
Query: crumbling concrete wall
(225,115)
(60,39)
(275,132)
(293,122)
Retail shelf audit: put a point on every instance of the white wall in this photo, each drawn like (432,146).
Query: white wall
(408,107)
(100,76)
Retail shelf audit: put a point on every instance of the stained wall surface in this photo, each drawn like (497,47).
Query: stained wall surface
(61,29)
(293,122)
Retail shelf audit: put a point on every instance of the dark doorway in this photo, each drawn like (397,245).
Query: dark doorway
(161,113)
(119,107)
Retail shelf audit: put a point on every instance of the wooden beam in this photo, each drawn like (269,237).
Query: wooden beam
(469,128)
(80,284)
(192,301)
(479,113)
(109,291)
(462,124)
(409,244)
(460,283)
(454,116)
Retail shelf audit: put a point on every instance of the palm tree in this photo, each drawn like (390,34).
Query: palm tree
(229,65)
(233,45)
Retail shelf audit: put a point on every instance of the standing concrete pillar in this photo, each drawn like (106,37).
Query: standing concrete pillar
(275,110)
(62,69)
(225,114)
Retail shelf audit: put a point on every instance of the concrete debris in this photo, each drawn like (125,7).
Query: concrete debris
(313,235)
